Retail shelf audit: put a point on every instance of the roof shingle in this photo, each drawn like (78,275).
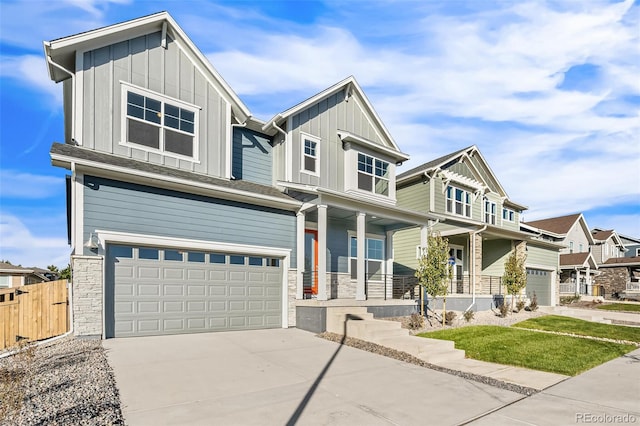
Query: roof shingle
(557,225)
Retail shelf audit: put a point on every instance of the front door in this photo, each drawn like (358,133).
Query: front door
(310,276)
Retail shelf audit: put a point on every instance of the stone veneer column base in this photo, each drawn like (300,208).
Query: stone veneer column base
(87,286)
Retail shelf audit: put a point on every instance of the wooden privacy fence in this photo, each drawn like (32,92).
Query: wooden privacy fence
(33,312)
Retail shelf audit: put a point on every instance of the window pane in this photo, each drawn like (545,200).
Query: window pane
(170,110)
(135,99)
(171,122)
(374,270)
(273,262)
(255,261)
(458,195)
(153,105)
(121,252)
(354,268)
(374,249)
(173,255)
(382,168)
(186,126)
(148,253)
(187,115)
(152,116)
(194,256)
(217,258)
(382,186)
(362,165)
(365,182)
(178,143)
(309,163)
(143,134)
(135,111)
(354,246)
(236,260)
(458,208)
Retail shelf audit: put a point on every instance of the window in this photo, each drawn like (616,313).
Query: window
(458,201)
(255,261)
(5,281)
(159,123)
(374,258)
(489,212)
(570,246)
(217,258)
(580,246)
(508,215)
(195,256)
(638,252)
(174,255)
(236,260)
(148,253)
(373,174)
(310,154)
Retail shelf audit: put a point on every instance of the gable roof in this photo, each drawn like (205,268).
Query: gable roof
(622,261)
(61,52)
(468,152)
(348,85)
(6,267)
(558,225)
(578,260)
(602,236)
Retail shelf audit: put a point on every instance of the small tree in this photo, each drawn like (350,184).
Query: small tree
(434,270)
(515,274)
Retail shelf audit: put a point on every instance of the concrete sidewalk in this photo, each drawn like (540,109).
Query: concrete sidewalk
(607,394)
(284,376)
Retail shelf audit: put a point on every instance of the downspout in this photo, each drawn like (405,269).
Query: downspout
(287,148)
(73,93)
(473,266)
(240,126)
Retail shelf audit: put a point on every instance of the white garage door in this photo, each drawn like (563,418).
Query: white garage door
(152,291)
(539,281)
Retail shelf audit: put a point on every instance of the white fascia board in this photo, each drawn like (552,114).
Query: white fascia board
(298,186)
(106,237)
(585,229)
(177,183)
(347,136)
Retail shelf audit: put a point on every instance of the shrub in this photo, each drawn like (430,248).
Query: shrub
(519,305)
(14,380)
(534,302)
(468,315)
(416,322)
(567,300)
(449,317)
(503,309)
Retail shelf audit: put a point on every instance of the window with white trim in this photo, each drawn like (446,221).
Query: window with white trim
(373,174)
(374,258)
(638,252)
(458,201)
(489,212)
(5,281)
(508,215)
(310,154)
(156,123)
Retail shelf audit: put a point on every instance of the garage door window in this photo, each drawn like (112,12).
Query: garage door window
(255,261)
(273,262)
(148,253)
(121,252)
(236,260)
(217,258)
(194,256)
(173,255)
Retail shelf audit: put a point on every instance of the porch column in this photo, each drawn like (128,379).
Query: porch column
(322,252)
(300,217)
(389,266)
(361,237)
(587,280)
(577,281)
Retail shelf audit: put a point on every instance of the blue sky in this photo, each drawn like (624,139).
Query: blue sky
(549,91)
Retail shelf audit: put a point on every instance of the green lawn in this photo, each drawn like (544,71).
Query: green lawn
(581,327)
(628,307)
(539,351)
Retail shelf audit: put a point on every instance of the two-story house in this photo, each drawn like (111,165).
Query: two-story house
(631,245)
(188,214)
(607,244)
(482,225)
(577,265)
(618,259)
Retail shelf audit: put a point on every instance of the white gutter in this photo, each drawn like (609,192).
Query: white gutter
(473,266)
(73,89)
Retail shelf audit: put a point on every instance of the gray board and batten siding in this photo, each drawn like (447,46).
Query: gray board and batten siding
(323,120)
(124,207)
(252,156)
(143,62)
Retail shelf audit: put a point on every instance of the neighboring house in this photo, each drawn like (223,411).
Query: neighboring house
(16,276)
(607,245)
(631,245)
(577,264)
(620,278)
(481,224)
(188,214)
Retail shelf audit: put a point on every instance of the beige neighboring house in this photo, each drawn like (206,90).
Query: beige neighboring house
(16,276)
(607,245)
(578,267)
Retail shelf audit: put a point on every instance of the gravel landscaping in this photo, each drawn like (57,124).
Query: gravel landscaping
(67,382)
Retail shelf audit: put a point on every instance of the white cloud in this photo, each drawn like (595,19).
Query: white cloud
(31,71)
(20,246)
(17,184)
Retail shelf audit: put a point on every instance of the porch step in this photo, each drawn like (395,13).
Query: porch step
(337,315)
(372,329)
(429,350)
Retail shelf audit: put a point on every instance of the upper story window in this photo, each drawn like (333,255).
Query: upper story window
(458,201)
(310,154)
(570,246)
(160,124)
(508,215)
(373,174)
(489,212)
(580,247)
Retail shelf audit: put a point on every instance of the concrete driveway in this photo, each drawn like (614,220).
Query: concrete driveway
(280,376)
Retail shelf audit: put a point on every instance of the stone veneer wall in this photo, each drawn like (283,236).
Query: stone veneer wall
(87,288)
(614,280)
(291,296)
(477,262)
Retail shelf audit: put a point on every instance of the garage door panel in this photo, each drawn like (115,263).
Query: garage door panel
(148,272)
(196,294)
(539,281)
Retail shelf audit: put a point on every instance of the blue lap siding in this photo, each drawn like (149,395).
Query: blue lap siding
(125,207)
